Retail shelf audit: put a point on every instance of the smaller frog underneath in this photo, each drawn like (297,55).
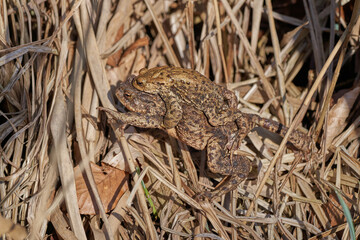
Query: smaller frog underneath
(176,85)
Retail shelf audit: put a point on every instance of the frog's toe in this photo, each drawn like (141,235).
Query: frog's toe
(169,123)
(110,113)
(203,196)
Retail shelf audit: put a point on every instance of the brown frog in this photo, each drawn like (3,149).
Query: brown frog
(148,111)
(176,85)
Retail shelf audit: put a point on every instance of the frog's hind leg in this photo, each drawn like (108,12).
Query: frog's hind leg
(300,140)
(228,184)
(173,109)
(236,167)
(223,117)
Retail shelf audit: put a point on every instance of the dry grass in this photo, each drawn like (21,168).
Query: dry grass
(60,60)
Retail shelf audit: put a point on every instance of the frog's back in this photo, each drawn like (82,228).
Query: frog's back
(194,87)
(189,85)
(188,76)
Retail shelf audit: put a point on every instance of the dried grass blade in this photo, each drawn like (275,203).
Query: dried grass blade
(58,127)
(101,84)
(212,32)
(172,187)
(11,125)
(94,61)
(257,7)
(158,7)
(276,45)
(212,217)
(318,211)
(254,61)
(329,232)
(219,40)
(189,163)
(303,109)
(315,33)
(353,163)
(24,50)
(172,56)
(136,186)
(190,24)
(61,225)
(140,194)
(300,224)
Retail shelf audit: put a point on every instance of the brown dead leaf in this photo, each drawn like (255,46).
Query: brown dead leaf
(114,59)
(338,114)
(120,73)
(116,158)
(111,184)
(335,213)
(129,63)
(141,42)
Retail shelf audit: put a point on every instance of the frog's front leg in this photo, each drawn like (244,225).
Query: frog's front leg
(173,109)
(230,97)
(135,119)
(221,161)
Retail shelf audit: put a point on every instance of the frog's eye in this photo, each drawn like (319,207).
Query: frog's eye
(127,94)
(140,82)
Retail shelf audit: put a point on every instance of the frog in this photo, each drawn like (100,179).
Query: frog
(148,111)
(176,85)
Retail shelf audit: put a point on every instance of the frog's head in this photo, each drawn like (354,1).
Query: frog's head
(138,101)
(152,80)
(141,81)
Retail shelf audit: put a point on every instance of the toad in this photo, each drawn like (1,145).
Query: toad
(176,85)
(148,111)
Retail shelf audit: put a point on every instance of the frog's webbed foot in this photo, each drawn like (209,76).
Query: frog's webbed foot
(111,114)
(220,160)
(113,118)
(228,184)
